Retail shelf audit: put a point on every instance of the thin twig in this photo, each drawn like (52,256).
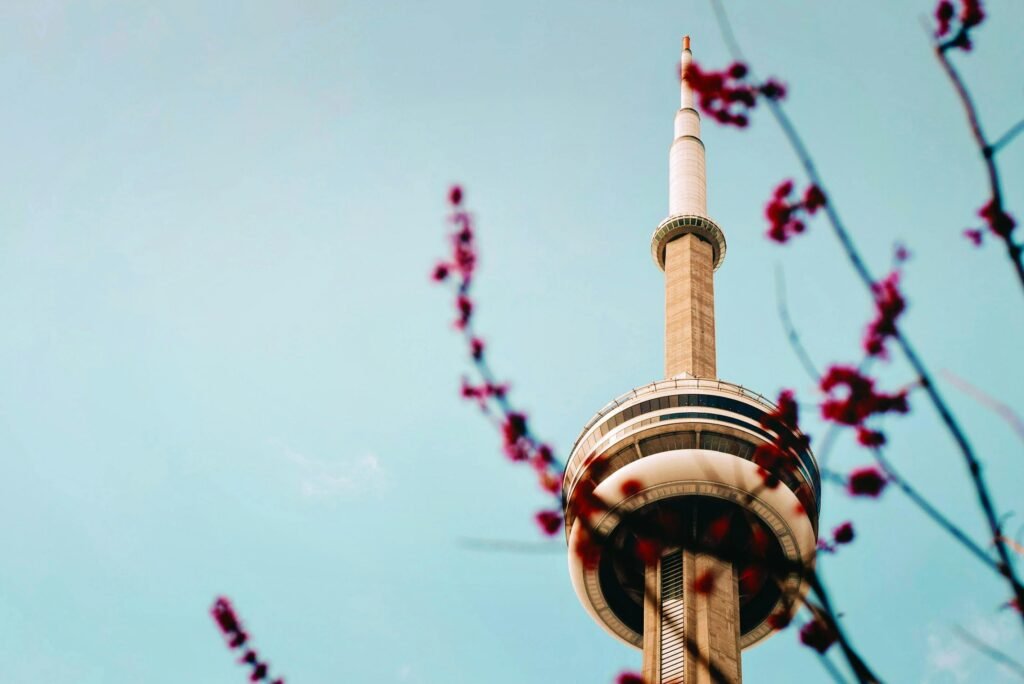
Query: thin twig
(1017,548)
(1007,137)
(787,324)
(932,512)
(860,668)
(999,408)
(988,153)
(990,651)
(827,442)
(831,669)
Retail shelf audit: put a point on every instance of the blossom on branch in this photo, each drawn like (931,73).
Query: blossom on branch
(455,195)
(843,534)
(971,14)
(465,307)
(777,458)
(900,253)
(476,348)
(997,220)
(483,393)
(817,634)
(860,400)
(889,304)
(868,481)
(550,521)
(518,444)
(785,215)
(224,615)
(870,438)
(727,96)
(840,535)
(784,422)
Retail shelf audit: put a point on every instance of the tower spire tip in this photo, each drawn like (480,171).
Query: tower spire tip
(686,42)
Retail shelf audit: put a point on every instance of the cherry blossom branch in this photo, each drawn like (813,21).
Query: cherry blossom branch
(490,395)
(999,221)
(893,476)
(237,639)
(839,229)
(945,414)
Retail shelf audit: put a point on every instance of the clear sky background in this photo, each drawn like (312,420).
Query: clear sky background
(224,369)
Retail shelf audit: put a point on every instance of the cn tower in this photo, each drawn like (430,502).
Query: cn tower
(680,456)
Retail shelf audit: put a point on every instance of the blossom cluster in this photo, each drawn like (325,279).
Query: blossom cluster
(818,634)
(843,534)
(786,214)
(867,481)
(237,639)
(971,14)
(777,457)
(997,221)
(851,399)
(889,304)
(728,95)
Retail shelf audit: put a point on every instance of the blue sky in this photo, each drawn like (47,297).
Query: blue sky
(226,371)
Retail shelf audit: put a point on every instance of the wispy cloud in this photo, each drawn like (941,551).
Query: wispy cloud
(953,658)
(326,480)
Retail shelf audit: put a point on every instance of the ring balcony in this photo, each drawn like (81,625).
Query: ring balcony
(677,226)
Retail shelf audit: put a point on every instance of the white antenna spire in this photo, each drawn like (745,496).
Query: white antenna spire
(687,184)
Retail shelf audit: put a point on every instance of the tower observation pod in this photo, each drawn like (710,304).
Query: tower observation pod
(685,539)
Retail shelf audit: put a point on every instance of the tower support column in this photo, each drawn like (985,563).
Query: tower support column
(689,308)
(691,634)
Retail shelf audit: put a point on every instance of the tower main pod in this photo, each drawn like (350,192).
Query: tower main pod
(677,460)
